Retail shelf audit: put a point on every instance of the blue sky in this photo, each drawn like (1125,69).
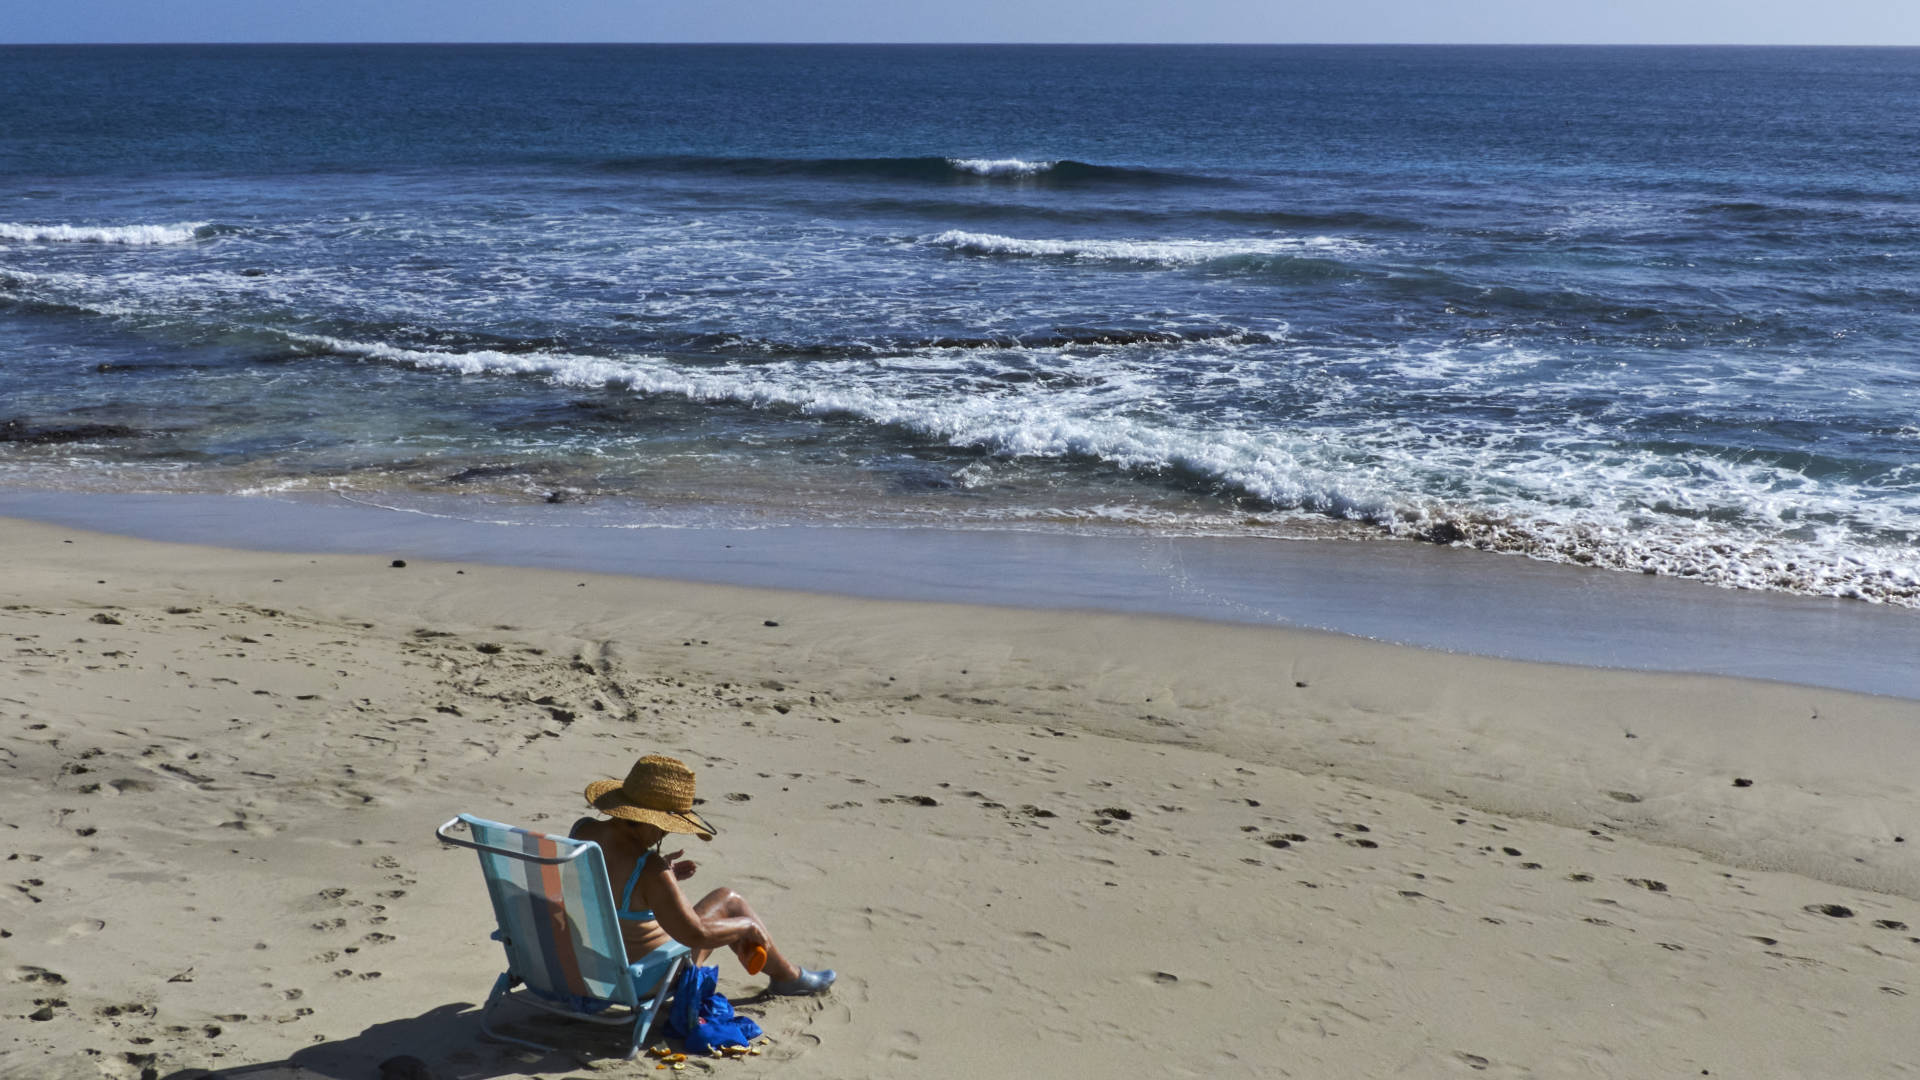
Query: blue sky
(1769,22)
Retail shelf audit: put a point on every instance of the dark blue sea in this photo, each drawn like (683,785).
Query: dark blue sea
(1650,309)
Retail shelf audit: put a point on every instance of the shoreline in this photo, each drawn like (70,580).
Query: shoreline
(1351,856)
(1402,592)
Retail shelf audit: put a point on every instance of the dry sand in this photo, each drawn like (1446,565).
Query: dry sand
(1040,842)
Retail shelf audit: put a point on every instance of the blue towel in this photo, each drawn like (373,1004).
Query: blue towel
(702,1018)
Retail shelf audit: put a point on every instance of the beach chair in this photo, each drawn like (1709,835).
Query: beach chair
(554,906)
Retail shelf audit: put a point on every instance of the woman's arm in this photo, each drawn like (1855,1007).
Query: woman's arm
(681,922)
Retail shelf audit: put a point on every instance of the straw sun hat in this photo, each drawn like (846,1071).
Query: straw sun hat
(658,791)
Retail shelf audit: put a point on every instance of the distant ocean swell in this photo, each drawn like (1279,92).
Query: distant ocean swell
(925,169)
(1533,503)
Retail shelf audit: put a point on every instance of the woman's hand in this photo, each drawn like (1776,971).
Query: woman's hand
(682,870)
(755,935)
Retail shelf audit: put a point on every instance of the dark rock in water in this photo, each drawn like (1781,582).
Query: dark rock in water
(1741,781)
(17,431)
(253,271)
(920,481)
(405,1067)
(770,622)
(1445,532)
(399,564)
(483,472)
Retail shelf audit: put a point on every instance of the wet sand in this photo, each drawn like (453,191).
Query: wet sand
(1399,591)
(1065,843)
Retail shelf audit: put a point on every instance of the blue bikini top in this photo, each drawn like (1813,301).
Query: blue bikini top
(626,898)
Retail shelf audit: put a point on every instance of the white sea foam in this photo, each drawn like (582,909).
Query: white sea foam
(1000,166)
(1549,502)
(132,235)
(1563,487)
(1161,252)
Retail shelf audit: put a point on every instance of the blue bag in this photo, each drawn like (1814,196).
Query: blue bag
(702,1018)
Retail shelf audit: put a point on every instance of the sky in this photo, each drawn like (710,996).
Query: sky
(1756,22)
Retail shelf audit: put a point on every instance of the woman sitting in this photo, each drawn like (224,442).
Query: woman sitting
(656,799)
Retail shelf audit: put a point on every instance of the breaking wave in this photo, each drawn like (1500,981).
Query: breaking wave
(1149,252)
(132,235)
(1736,546)
(1000,166)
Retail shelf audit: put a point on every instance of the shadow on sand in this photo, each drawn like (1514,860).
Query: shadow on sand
(445,1044)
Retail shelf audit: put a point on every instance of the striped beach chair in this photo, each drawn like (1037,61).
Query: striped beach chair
(554,906)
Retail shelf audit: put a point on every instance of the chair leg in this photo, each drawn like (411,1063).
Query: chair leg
(647,1014)
(640,1028)
(500,988)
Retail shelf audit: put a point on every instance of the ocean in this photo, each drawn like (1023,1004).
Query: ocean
(1651,310)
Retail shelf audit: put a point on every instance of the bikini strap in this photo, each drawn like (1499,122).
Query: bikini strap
(626,897)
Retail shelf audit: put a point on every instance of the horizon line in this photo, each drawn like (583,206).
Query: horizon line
(1017,44)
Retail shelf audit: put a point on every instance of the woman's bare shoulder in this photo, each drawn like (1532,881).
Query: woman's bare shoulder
(583,828)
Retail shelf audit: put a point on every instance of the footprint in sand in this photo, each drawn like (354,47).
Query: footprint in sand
(83,928)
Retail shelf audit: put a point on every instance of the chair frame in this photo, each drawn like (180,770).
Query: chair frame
(638,1012)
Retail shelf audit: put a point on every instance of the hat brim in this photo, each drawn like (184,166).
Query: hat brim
(607,797)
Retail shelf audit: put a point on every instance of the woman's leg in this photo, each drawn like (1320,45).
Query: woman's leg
(727,904)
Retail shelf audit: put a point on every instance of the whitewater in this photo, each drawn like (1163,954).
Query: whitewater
(1268,293)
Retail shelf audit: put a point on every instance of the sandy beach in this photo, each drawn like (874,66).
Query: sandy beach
(1044,842)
